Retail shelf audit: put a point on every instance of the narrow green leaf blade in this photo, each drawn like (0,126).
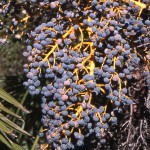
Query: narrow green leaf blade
(3,108)
(16,146)
(4,95)
(36,140)
(4,128)
(5,141)
(13,125)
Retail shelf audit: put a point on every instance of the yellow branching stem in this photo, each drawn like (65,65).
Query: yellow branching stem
(103,62)
(51,51)
(47,55)
(76,47)
(82,37)
(85,69)
(90,98)
(114,65)
(99,116)
(68,32)
(79,110)
(25,19)
(92,64)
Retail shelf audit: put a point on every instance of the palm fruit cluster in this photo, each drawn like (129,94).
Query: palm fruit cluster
(81,62)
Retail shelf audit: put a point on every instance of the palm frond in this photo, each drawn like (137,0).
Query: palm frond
(8,128)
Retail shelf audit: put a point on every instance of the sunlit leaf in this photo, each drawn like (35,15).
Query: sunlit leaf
(4,128)
(9,111)
(4,95)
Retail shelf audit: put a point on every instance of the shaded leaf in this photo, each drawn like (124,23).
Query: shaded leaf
(5,141)
(13,125)
(16,146)
(4,95)
(36,140)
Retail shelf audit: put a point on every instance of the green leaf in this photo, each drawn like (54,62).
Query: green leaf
(4,95)
(4,128)
(16,146)
(13,125)
(3,108)
(22,101)
(5,141)
(36,140)
(9,143)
